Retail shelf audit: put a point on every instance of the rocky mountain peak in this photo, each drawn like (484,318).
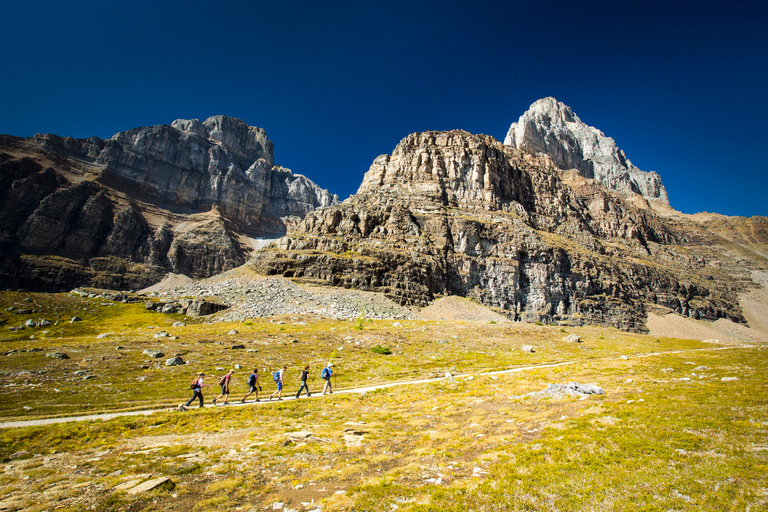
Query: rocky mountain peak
(188,197)
(551,128)
(221,161)
(453,213)
(455,168)
(551,109)
(248,141)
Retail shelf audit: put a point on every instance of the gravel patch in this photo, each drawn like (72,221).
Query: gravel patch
(258,297)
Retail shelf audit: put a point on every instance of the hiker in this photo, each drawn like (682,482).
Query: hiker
(197,392)
(326,375)
(303,378)
(253,383)
(224,383)
(278,376)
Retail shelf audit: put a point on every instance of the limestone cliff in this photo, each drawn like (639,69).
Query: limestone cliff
(457,213)
(183,197)
(550,127)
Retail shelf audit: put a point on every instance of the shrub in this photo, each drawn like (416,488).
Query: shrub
(381,349)
(359,322)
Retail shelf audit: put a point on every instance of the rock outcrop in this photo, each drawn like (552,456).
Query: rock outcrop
(550,127)
(452,213)
(556,225)
(122,212)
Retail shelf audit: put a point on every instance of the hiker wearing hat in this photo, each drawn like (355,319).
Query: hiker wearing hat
(224,383)
(326,375)
(197,392)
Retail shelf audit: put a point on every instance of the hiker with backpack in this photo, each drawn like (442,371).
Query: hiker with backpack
(326,375)
(303,378)
(278,378)
(224,383)
(197,392)
(253,384)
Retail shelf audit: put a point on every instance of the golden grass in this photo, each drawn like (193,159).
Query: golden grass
(668,434)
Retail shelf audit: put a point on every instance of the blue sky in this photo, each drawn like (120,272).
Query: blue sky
(680,86)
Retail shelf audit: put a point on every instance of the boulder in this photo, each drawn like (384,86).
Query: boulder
(203,308)
(57,355)
(152,484)
(171,307)
(174,361)
(573,338)
(21,454)
(153,353)
(586,389)
(572,389)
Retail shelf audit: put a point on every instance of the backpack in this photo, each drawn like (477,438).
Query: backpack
(252,380)
(222,380)
(195,384)
(325,373)
(276,376)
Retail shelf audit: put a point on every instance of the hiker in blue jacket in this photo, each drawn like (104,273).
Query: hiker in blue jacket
(326,375)
(253,383)
(279,374)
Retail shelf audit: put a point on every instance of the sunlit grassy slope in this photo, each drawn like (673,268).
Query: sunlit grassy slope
(669,434)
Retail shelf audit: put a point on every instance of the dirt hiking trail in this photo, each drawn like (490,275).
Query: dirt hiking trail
(365,389)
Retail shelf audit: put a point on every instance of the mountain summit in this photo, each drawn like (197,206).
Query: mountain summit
(119,213)
(453,213)
(550,127)
(553,226)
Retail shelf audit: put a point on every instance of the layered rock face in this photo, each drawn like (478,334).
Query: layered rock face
(456,213)
(551,128)
(120,213)
(221,161)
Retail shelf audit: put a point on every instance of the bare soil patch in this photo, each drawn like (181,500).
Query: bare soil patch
(457,309)
(676,326)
